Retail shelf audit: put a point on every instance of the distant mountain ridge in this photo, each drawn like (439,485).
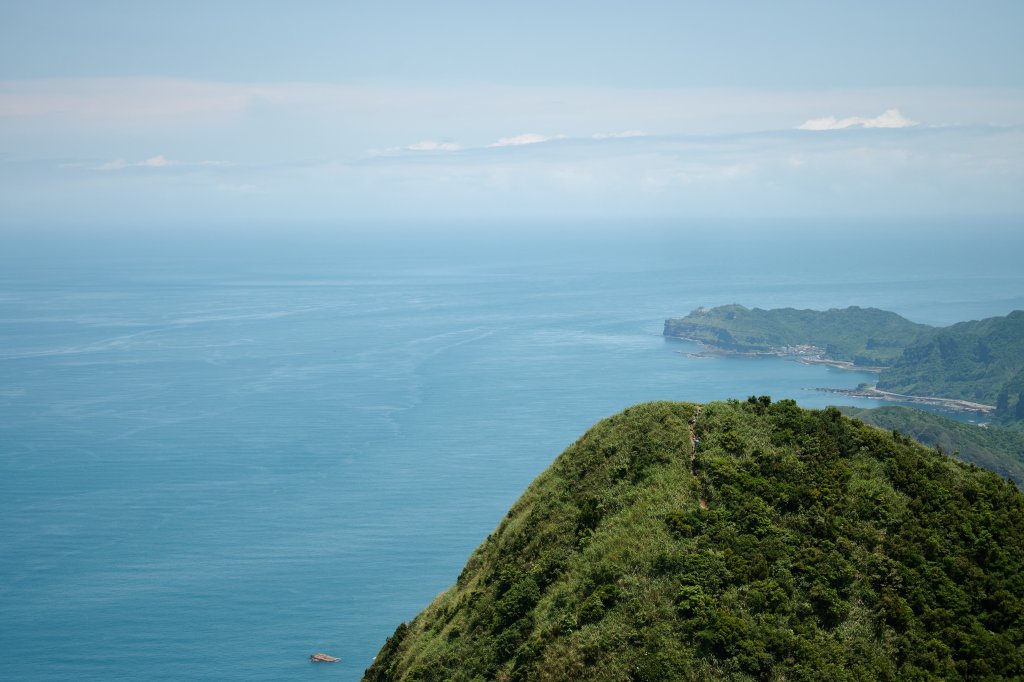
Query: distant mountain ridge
(980,361)
(861,336)
(737,540)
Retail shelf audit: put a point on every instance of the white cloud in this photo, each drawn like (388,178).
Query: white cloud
(775,173)
(116,164)
(624,133)
(525,138)
(432,146)
(158,161)
(891,118)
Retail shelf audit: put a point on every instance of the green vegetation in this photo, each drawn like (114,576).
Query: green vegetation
(786,544)
(863,336)
(998,450)
(982,361)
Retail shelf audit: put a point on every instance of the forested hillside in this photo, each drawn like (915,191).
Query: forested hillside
(863,336)
(997,449)
(738,540)
(982,361)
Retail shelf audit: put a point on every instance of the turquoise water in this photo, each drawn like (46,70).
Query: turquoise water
(217,459)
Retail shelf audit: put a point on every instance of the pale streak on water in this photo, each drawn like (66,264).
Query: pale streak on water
(210,470)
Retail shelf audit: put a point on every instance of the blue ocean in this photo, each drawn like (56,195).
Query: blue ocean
(221,453)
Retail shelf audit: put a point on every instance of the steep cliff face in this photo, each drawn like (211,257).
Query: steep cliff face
(739,540)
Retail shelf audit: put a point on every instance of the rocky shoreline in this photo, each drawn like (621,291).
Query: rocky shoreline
(805,355)
(951,404)
(812,355)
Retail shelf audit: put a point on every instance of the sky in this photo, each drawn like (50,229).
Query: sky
(186,115)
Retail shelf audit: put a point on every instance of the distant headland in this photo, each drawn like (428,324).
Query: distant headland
(975,366)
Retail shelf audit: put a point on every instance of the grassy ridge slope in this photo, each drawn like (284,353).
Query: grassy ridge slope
(787,544)
(998,450)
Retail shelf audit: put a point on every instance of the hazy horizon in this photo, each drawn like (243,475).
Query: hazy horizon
(324,114)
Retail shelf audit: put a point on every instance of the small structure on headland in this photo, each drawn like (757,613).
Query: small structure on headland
(323,658)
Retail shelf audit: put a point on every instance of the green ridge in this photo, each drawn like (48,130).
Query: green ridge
(863,336)
(996,449)
(828,549)
(981,361)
